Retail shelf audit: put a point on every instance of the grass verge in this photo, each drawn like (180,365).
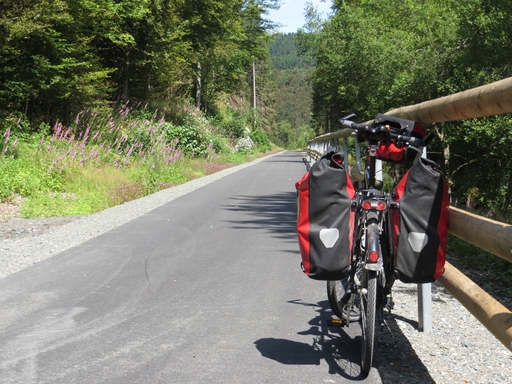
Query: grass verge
(86,190)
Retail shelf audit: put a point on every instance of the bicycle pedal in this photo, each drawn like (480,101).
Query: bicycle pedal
(336,323)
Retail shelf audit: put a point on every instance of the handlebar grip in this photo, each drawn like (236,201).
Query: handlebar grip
(345,123)
(351,124)
(412,140)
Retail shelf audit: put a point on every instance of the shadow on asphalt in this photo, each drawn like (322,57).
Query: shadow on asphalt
(276,213)
(395,359)
(339,350)
(293,159)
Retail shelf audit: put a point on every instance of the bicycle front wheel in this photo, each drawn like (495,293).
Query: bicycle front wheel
(368,308)
(339,298)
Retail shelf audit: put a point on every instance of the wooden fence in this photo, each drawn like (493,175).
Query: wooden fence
(489,235)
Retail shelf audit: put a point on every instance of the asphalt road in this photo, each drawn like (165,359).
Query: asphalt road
(205,289)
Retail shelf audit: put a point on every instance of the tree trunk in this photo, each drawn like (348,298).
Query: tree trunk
(254,85)
(198,89)
(509,190)
(441,133)
(254,105)
(126,73)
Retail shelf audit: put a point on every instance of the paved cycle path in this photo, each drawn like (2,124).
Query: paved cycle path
(204,289)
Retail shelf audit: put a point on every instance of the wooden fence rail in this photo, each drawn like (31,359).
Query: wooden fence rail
(489,235)
(487,100)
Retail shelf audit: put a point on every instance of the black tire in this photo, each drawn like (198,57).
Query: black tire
(368,308)
(338,298)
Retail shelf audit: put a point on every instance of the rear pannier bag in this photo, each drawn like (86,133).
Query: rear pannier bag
(420,225)
(325,223)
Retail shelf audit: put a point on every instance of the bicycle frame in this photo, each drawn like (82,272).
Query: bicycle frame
(372,225)
(371,277)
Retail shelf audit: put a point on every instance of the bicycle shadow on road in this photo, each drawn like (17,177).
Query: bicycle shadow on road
(339,350)
(395,360)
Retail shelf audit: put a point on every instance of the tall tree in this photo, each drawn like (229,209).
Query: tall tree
(46,63)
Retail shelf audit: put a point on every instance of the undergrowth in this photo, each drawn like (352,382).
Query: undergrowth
(102,160)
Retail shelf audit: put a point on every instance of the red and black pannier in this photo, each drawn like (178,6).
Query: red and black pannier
(325,222)
(420,225)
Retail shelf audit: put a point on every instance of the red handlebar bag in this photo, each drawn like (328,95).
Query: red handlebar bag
(325,223)
(399,154)
(420,225)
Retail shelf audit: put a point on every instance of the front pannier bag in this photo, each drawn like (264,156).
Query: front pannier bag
(325,219)
(421,224)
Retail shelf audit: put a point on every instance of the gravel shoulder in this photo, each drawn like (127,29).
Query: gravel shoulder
(458,350)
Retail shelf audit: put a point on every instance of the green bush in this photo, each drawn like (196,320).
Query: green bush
(235,128)
(233,123)
(17,123)
(260,138)
(193,136)
(218,145)
(26,177)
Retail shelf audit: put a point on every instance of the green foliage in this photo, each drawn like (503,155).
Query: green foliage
(234,124)
(283,134)
(45,60)
(59,57)
(190,139)
(17,124)
(62,63)
(479,167)
(284,53)
(261,140)
(292,138)
(373,56)
(368,63)
(26,177)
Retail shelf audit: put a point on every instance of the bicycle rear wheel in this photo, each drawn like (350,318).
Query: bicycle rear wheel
(339,298)
(368,308)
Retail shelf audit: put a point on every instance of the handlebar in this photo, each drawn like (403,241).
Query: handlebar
(382,133)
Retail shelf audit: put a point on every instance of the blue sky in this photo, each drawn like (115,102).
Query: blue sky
(291,13)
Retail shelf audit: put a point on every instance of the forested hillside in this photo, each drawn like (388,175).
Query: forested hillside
(293,94)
